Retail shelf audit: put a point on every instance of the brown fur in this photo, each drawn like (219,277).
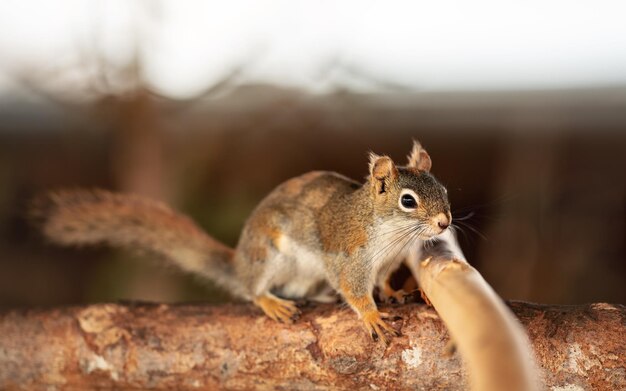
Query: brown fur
(295,186)
(85,217)
(341,231)
(363,303)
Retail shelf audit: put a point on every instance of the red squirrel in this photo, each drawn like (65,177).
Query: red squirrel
(312,236)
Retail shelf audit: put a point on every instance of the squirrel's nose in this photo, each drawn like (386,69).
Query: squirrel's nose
(443,221)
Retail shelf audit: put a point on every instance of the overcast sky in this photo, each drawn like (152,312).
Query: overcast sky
(426,45)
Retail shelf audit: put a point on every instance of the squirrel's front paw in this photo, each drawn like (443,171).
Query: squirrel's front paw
(392,296)
(377,327)
(280,310)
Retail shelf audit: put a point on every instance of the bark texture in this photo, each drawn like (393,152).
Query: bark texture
(194,347)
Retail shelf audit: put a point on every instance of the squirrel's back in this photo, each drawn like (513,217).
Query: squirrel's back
(87,217)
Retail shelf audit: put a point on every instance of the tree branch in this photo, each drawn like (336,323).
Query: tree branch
(158,346)
(483,328)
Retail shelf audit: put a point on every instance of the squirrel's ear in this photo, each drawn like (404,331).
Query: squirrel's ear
(383,172)
(419,158)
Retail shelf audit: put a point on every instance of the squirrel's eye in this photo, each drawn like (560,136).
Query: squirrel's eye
(408,201)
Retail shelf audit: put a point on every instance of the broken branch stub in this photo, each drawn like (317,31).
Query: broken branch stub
(486,333)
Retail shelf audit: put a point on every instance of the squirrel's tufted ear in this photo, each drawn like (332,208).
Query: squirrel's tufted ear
(419,158)
(383,172)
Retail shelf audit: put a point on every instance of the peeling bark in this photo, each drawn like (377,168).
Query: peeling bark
(158,346)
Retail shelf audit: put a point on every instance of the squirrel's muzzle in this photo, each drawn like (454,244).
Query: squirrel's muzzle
(442,221)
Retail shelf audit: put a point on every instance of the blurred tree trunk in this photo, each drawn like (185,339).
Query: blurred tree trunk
(137,154)
(111,346)
(138,167)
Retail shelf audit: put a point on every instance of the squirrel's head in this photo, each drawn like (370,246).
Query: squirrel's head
(410,195)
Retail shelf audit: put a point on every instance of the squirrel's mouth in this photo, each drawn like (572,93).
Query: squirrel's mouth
(433,231)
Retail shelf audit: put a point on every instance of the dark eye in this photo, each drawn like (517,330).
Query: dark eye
(408,201)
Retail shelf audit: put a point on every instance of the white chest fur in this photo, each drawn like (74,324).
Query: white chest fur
(390,243)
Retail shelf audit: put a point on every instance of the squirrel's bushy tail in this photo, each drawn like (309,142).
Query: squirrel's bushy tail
(86,217)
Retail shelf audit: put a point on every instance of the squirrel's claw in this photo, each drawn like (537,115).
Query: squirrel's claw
(281,310)
(377,328)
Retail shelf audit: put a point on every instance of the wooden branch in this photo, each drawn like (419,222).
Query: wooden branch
(491,341)
(159,346)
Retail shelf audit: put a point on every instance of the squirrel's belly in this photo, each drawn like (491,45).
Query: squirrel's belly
(306,276)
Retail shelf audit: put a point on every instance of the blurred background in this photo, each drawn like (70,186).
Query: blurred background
(209,105)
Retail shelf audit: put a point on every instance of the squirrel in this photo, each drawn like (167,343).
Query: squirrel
(313,236)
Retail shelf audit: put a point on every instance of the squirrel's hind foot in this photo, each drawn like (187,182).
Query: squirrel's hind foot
(281,310)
